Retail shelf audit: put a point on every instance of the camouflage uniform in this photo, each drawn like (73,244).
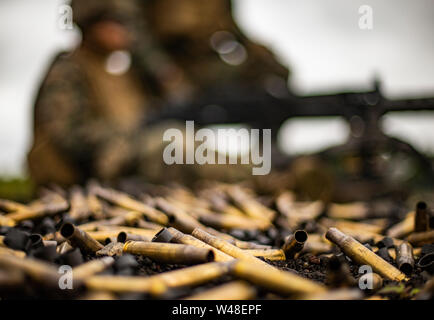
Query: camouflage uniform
(87,121)
(193,48)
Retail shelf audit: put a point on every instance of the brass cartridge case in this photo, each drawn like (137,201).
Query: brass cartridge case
(236,290)
(102,235)
(377,282)
(54,205)
(64,247)
(11,206)
(91,268)
(16,253)
(179,237)
(11,279)
(337,294)
(190,276)
(178,218)
(141,223)
(95,206)
(354,211)
(363,256)
(224,246)
(247,245)
(182,221)
(6,222)
(98,296)
(145,233)
(2,243)
(39,271)
(269,254)
(282,282)
(249,205)
(294,243)
(169,252)
(124,237)
(129,203)
(402,228)
(351,225)
(226,221)
(405,258)
(79,238)
(418,239)
(421,218)
(79,209)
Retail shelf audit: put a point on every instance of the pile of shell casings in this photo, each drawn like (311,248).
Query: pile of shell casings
(220,242)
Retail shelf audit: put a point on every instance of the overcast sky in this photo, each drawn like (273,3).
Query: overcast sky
(319,40)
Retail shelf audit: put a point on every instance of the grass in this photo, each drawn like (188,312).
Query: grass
(17,189)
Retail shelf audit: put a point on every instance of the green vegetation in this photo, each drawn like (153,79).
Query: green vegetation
(17,189)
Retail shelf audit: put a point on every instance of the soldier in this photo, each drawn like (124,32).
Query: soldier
(89,109)
(201,53)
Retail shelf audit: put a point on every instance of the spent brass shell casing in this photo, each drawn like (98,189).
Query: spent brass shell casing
(10,279)
(190,276)
(11,206)
(402,228)
(95,206)
(102,235)
(282,282)
(16,253)
(124,237)
(98,296)
(79,238)
(377,281)
(41,209)
(226,221)
(355,211)
(79,206)
(91,268)
(169,252)
(294,243)
(249,205)
(225,246)
(64,247)
(418,239)
(6,222)
(179,237)
(421,218)
(405,258)
(363,256)
(248,245)
(129,203)
(39,271)
(236,290)
(163,236)
(269,254)
(337,294)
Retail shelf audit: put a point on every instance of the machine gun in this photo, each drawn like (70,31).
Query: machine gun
(363,110)
(261,110)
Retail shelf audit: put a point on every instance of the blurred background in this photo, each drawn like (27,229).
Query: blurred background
(319,41)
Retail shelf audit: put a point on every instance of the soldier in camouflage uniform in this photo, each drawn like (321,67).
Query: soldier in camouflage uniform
(195,50)
(87,121)
(88,114)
